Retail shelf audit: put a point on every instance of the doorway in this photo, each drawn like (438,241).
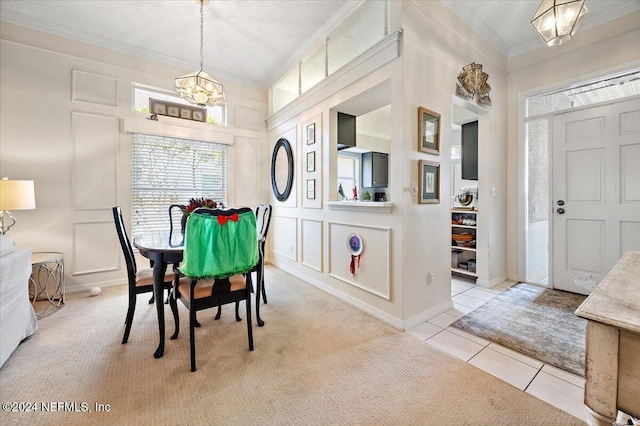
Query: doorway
(553,132)
(595,191)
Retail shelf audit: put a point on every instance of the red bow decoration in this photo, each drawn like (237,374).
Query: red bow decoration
(223,219)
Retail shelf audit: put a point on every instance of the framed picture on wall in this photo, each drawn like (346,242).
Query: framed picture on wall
(311,134)
(311,189)
(187,112)
(429,182)
(311,161)
(428,131)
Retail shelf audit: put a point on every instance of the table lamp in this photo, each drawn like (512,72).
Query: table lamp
(15,195)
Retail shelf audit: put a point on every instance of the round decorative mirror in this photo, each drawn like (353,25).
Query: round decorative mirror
(282,170)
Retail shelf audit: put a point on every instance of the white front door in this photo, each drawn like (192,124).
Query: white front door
(595,190)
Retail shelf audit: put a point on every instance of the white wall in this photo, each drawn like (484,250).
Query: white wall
(62,106)
(414,238)
(436,47)
(592,53)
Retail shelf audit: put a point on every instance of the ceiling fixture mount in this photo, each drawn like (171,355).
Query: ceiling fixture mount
(199,87)
(558,20)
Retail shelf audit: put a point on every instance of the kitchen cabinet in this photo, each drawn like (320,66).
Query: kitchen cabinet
(375,170)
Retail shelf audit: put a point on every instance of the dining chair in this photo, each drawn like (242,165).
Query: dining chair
(139,281)
(173,207)
(263,219)
(221,249)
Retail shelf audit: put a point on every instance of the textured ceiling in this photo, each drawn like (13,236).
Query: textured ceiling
(506,23)
(257,41)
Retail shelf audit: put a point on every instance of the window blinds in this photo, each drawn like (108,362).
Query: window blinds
(169,171)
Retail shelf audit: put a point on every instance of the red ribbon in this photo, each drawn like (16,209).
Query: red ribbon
(353,266)
(223,219)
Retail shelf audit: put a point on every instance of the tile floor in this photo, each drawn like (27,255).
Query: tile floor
(552,385)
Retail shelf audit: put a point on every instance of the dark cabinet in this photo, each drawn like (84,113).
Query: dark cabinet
(346,131)
(374,170)
(469,154)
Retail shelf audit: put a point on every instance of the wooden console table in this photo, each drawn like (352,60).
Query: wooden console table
(613,343)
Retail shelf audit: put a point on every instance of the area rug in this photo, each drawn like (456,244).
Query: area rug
(534,321)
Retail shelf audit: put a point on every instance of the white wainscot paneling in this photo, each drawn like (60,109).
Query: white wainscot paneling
(95,248)
(94,88)
(312,244)
(373,274)
(95,161)
(629,237)
(285,236)
(248,118)
(630,173)
(247,170)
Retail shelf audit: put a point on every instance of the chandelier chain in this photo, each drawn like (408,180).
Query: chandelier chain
(201,33)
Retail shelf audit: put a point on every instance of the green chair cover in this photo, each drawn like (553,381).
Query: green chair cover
(218,246)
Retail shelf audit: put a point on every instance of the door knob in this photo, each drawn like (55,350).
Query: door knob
(560,202)
(560,211)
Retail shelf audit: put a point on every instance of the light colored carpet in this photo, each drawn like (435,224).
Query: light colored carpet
(317,361)
(535,321)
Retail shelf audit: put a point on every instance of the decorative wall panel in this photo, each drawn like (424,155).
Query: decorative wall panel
(95,248)
(248,118)
(374,270)
(94,88)
(290,135)
(247,171)
(286,244)
(312,243)
(95,161)
(311,163)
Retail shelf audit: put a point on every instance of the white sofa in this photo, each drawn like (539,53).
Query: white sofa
(17,318)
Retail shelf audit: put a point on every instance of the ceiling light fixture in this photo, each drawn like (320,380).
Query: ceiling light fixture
(557,20)
(199,87)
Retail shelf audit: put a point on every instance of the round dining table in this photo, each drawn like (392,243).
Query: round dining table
(163,248)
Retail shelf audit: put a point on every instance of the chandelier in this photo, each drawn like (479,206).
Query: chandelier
(557,20)
(471,81)
(199,87)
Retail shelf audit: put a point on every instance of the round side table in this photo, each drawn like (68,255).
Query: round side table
(46,282)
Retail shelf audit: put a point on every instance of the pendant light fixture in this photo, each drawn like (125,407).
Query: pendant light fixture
(557,20)
(199,87)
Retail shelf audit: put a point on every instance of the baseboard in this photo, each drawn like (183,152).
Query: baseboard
(428,314)
(491,283)
(374,312)
(102,284)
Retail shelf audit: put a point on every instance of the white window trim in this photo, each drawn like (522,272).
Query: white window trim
(188,130)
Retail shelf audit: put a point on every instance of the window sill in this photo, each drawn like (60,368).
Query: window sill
(362,206)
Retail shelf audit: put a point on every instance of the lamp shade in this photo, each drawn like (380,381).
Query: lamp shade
(557,20)
(17,195)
